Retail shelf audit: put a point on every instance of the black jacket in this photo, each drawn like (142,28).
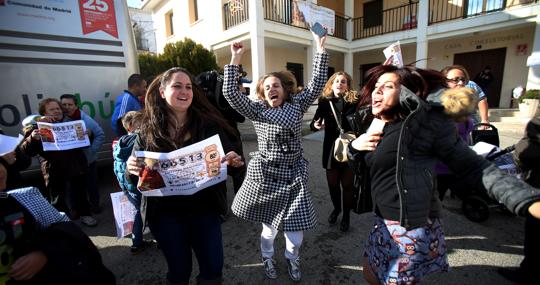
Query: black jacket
(527,153)
(427,136)
(331,130)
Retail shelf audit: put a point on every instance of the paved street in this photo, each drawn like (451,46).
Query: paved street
(328,255)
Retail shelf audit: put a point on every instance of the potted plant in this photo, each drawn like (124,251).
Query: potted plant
(528,103)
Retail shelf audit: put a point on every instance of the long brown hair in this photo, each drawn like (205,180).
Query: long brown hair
(350,95)
(288,82)
(158,115)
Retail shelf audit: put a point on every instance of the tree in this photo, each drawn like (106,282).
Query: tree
(187,54)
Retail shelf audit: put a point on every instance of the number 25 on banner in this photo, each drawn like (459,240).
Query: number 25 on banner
(99,5)
(98,15)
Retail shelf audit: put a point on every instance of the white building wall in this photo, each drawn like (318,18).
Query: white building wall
(144,23)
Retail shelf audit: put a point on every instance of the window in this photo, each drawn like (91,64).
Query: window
(169,24)
(373,14)
(194,14)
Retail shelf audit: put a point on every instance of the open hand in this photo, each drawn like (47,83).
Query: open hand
(27,266)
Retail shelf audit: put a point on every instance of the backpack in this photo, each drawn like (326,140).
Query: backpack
(211,82)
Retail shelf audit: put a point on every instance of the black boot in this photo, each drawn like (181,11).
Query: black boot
(344,225)
(332,219)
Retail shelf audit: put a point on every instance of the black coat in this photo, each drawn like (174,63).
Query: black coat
(527,153)
(428,135)
(331,130)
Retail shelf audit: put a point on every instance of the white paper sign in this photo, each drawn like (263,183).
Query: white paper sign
(393,55)
(184,171)
(63,136)
(8,144)
(311,13)
(124,214)
(377,125)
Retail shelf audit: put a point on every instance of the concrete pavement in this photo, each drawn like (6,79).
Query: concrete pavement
(328,255)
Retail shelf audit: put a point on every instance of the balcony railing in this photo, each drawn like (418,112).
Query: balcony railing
(281,11)
(390,20)
(235,13)
(444,10)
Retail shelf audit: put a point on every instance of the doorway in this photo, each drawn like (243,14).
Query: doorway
(298,70)
(475,62)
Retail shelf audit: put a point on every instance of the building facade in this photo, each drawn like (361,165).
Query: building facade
(502,34)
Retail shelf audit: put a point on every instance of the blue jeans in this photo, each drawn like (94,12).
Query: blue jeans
(178,236)
(137,231)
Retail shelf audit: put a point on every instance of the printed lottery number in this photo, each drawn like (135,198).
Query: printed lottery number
(182,160)
(99,5)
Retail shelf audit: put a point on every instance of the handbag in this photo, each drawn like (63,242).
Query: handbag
(341,144)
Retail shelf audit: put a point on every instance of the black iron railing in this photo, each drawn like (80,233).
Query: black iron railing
(235,13)
(390,20)
(281,11)
(444,10)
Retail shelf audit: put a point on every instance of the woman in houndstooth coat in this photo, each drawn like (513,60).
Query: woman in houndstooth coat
(275,192)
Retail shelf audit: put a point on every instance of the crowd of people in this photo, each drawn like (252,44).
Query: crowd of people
(420,147)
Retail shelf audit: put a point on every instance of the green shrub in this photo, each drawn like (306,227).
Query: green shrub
(530,94)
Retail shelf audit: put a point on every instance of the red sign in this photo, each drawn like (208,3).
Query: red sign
(98,15)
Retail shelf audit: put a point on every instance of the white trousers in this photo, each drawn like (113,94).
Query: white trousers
(293,241)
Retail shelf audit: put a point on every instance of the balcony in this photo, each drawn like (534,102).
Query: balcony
(390,20)
(404,17)
(444,10)
(235,13)
(277,11)
(281,11)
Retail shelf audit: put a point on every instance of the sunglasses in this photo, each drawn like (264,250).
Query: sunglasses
(456,80)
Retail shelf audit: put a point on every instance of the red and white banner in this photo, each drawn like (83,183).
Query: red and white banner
(98,15)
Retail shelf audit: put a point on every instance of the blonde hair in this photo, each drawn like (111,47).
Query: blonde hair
(459,103)
(350,95)
(132,120)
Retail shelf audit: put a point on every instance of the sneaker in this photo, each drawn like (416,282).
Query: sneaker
(139,248)
(270,267)
(88,221)
(293,265)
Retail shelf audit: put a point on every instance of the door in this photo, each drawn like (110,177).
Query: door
(475,62)
(298,70)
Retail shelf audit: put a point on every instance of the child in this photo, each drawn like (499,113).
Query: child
(121,152)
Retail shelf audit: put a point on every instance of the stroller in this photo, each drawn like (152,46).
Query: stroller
(476,204)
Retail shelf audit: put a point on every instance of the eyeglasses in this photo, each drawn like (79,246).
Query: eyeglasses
(456,80)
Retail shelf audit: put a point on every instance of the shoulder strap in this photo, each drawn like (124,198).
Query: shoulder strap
(335,116)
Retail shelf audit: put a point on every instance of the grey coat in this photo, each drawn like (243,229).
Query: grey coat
(275,189)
